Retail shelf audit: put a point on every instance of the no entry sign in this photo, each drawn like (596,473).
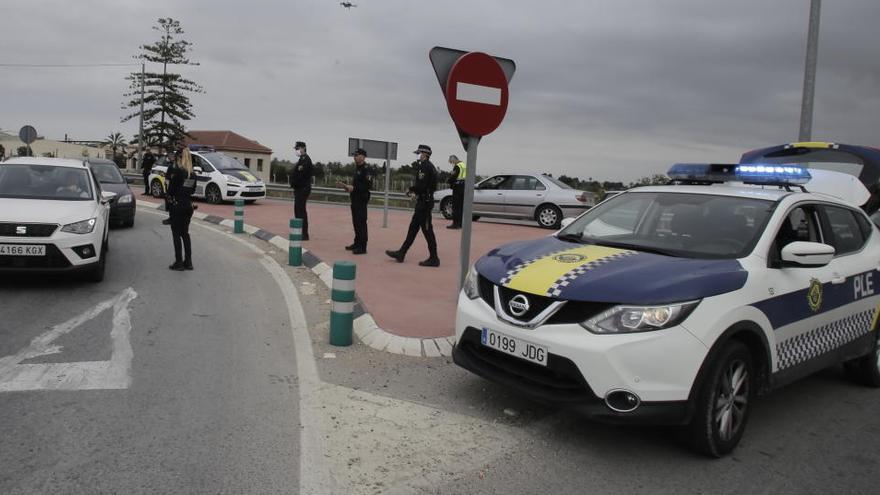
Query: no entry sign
(476,94)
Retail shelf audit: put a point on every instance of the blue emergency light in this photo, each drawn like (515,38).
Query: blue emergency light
(753,173)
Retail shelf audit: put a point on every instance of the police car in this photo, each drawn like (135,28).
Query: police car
(678,304)
(53,217)
(219,177)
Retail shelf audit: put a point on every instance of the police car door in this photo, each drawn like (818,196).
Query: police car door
(798,303)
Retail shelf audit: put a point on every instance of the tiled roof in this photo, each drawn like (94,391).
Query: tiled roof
(226,141)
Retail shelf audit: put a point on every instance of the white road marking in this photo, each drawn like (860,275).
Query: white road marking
(85,375)
(474,93)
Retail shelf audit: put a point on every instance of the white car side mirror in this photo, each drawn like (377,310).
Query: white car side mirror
(566,222)
(807,253)
(197,170)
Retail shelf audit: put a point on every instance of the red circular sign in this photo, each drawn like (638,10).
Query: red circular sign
(476,94)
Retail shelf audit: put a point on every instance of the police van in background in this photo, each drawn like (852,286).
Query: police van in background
(679,304)
(219,177)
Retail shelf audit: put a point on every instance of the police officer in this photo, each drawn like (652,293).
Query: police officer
(181,185)
(359,191)
(456,182)
(171,159)
(423,192)
(147,163)
(301,182)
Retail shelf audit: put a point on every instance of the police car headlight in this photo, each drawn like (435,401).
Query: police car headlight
(124,199)
(83,227)
(232,180)
(471,284)
(630,319)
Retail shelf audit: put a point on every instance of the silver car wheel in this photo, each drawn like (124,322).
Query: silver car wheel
(548,216)
(732,398)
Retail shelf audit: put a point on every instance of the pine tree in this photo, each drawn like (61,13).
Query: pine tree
(166,93)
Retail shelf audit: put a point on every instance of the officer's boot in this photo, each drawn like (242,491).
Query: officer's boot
(397,255)
(432,261)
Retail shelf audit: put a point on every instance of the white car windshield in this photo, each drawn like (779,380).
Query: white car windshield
(223,162)
(676,224)
(45,182)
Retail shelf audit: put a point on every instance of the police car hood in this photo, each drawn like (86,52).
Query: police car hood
(584,272)
(243,175)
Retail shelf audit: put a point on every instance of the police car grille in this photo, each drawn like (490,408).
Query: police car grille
(54,258)
(8,229)
(252,194)
(487,291)
(537,304)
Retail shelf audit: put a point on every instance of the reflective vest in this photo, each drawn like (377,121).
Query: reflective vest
(462,170)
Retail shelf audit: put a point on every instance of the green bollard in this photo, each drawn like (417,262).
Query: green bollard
(239,216)
(295,250)
(342,297)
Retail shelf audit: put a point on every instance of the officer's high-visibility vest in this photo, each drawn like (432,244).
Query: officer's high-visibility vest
(462,170)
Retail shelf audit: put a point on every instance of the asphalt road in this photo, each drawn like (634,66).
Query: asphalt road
(205,401)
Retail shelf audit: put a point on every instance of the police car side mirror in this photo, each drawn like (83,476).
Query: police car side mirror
(566,222)
(197,170)
(800,253)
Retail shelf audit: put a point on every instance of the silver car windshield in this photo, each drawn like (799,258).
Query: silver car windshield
(45,182)
(677,224)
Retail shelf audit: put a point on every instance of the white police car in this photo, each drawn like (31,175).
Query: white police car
(219,177)
(53,217)
(679,304)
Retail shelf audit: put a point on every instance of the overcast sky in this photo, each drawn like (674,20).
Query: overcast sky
(609,89)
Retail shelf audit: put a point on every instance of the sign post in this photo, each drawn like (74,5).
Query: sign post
(475,86)
(377,149)
(28,135)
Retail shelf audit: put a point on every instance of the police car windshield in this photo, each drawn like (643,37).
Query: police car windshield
(679,224)
(223,162)
(45,182)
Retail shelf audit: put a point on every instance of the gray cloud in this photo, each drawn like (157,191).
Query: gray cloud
(608,89)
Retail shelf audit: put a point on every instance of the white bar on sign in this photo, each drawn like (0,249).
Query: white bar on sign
(478,94)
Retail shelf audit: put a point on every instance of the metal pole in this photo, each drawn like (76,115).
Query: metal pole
(387,183)
(140,160)
(806,130)
(467,209)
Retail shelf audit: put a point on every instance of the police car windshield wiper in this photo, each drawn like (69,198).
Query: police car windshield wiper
(634,247)
(571,237)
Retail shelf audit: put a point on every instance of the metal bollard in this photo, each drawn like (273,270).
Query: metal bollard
(342,297)
(295,250)
(239,216)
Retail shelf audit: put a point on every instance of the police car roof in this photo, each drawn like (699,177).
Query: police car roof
(55,162)
(768,193)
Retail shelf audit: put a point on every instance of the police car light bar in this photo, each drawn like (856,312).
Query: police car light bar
(779,175)
(201,147)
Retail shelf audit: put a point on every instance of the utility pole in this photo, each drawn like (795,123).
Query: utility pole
(806,130)
(140,159)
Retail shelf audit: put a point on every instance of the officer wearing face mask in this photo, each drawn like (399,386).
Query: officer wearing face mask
(423,192)
(301,182)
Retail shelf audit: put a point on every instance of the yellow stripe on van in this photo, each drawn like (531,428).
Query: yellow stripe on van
(539,276)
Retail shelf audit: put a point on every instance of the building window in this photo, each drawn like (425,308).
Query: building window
(247,162)
(259,164)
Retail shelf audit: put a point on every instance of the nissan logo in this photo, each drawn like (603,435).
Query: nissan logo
(21,230)
(518,305)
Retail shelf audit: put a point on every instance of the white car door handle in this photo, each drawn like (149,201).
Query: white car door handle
(838,279)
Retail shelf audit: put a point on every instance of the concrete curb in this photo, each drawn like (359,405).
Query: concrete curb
(365,326)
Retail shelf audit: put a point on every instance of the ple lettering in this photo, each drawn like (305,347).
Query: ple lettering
(863,285)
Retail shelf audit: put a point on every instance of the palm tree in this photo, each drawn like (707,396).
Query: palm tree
(114,141)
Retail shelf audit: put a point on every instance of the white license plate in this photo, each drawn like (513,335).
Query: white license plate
(515,347)
(22,250)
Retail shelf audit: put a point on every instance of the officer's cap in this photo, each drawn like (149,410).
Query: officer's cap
(360,151)
(423,148)
(298,145)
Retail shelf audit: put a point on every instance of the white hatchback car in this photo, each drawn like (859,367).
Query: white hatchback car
(53,217)
(219,177)
(678,304)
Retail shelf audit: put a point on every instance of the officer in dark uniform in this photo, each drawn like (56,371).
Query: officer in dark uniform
(456,183)
(147,163)
(423,192)
(301,182)
(171,159)
(181,185)
(359,191)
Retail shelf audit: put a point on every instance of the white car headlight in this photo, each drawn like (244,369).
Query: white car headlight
(631,319)
(471,286)
(124,199)
(232,180)
(83,227)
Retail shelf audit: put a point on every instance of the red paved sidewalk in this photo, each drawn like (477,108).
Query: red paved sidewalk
(404,298)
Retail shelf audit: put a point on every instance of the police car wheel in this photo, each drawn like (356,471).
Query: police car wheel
(156,189)
(723,402)
(549,216)
(212,194)
(866,369)
(446,208)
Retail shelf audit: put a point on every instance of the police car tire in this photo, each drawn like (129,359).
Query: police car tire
(866,369)
(446,207)
(702,432)
(212,194)
(156,189)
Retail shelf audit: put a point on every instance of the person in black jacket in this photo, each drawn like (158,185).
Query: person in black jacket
(181,185)
(359,191)
(423,192)
(301,182)
(147,163)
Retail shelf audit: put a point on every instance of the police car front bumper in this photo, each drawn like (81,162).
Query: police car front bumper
(245,191)
(582,368)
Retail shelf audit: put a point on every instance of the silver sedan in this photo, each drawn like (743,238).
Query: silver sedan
(533,197)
